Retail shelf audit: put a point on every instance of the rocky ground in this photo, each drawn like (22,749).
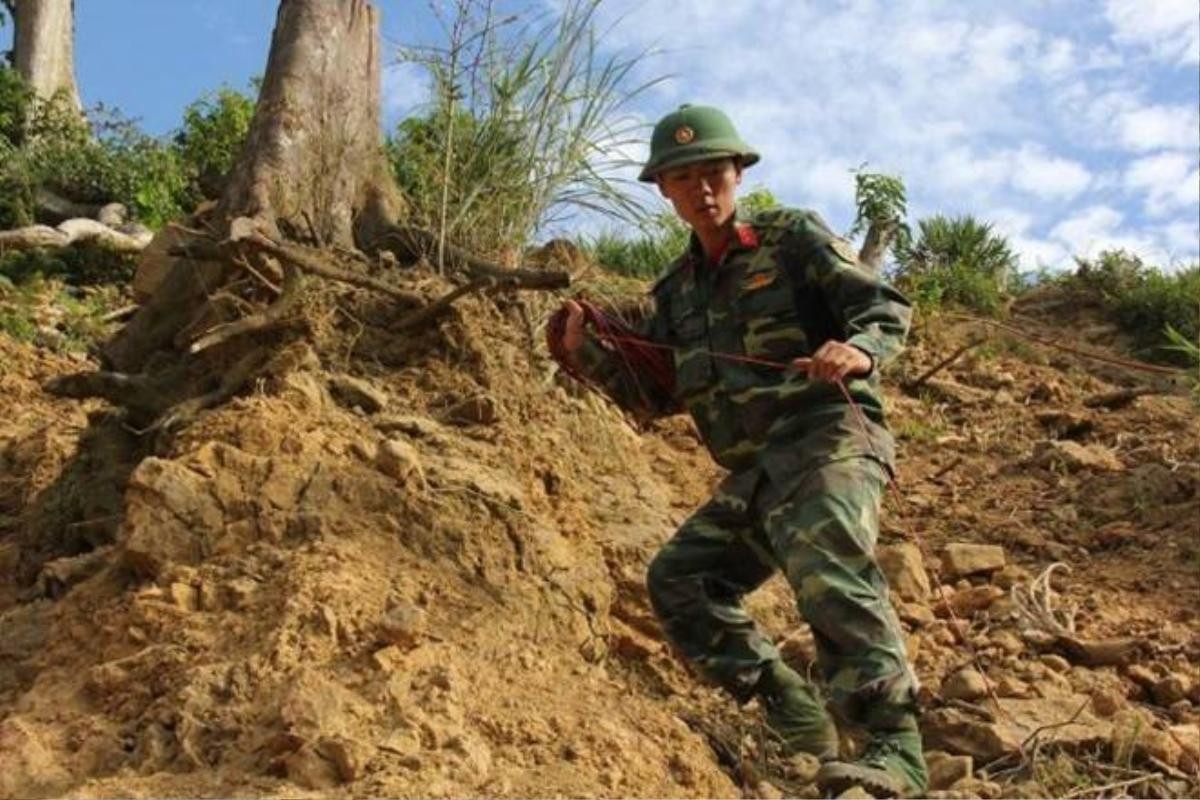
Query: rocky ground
(419,572)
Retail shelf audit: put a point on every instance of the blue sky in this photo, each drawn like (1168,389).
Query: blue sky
(1072,125)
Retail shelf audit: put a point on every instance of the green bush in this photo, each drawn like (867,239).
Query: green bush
(660,240)
(214,130)
(1144,301)
(956,261)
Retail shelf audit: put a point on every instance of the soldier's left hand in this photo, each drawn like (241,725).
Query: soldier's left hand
(836,361)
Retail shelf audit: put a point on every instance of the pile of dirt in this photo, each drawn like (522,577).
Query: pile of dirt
(423,574)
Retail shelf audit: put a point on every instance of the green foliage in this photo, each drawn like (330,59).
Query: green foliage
(661,239)
(51,314)
(755,201)
(956,261)
(82,264)
(106,157)
(526,127)
(214,130)
(882,200)
(1160,310)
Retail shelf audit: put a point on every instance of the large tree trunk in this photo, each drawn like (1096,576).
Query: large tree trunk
(44,47)
(313,166)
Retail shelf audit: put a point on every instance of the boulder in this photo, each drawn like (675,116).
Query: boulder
(960,733)
(905,570)
(946,770)
(960,559)
(1073,456)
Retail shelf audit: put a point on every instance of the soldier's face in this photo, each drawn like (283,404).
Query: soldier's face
(703,193)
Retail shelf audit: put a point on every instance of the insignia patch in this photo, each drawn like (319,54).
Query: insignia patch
(844,250)
(684,134)
(758,280)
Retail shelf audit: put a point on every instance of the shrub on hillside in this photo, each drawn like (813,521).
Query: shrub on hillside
(1145,301)
(956,261)
(213,132)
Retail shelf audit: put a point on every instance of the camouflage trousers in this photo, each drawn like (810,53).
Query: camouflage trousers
(822,535)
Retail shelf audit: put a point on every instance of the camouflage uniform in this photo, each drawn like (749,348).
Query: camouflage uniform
(806,475)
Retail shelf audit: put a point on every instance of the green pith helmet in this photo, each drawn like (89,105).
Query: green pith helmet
(694,133)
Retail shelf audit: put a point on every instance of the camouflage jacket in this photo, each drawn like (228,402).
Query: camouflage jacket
(785,286)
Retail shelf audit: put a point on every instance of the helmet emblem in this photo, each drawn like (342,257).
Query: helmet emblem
(684,134)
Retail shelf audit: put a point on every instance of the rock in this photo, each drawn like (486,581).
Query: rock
(905,571)
(1106,702)
(1133,735)
(240,592)
(1008,686)
(400,460)
(1009,642)
(915,614)
(1188,739)
(352,392)
(155,262)
(1055,662)
(966,684)
(856,793)
(347,756)
(968,601)
(310,770)
(801,767)
(388,658)
(305,390)
(479,410)
(960,733)
(1073,456)
(960,559)
(1169,690)
(946,770)
(184,595)
(403,625)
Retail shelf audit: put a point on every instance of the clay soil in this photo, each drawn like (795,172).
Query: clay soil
(437,590)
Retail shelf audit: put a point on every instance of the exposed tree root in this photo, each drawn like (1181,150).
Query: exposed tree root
(270,317)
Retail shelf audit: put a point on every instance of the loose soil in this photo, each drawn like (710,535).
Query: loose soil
(420,572)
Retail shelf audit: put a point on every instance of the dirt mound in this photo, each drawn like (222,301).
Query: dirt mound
(419,571)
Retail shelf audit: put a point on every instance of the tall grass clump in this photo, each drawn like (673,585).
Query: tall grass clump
(956,261)
(527,125)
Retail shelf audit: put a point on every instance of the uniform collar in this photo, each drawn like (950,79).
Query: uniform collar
(744,238)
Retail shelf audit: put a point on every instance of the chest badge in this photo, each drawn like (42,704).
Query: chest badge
(758,280)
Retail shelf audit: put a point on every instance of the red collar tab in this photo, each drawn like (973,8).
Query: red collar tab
(747,238)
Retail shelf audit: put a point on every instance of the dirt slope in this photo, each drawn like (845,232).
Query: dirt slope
(426,579)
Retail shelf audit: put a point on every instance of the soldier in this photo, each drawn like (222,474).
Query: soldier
(806,471)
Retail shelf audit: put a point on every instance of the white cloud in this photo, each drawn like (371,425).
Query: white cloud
(1169,28)
(1170,182)
(1047,176)
(1153,127)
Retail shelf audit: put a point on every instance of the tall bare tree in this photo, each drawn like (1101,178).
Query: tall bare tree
(44,46)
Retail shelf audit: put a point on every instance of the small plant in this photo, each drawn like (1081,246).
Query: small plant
(957,261)
(662,239)
(882,203)
(214,129)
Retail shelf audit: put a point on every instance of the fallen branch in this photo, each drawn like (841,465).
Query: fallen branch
(307,262)
(1056,629)
(415,241)
(73,231)
(913,385)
